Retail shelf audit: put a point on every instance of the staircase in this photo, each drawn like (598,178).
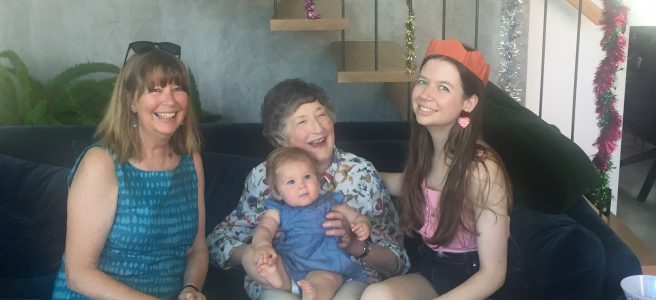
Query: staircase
(357,61)
(590,9)
(289,15)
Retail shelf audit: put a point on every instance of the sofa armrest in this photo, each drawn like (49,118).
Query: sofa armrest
(645,255)
(32,226)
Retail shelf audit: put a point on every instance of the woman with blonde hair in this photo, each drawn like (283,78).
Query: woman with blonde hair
(136,215)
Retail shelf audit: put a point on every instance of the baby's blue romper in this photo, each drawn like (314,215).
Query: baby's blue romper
(303,243)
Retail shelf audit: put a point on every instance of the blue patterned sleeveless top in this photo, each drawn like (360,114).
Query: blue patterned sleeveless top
(155,223)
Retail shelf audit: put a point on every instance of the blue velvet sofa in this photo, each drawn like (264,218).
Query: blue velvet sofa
(566,251)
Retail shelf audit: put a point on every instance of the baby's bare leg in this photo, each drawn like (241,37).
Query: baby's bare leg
(271,276)
(320,285)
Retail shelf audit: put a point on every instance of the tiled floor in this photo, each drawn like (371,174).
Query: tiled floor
(640,217)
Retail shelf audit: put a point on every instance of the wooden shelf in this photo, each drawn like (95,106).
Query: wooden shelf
(590,10)
(360,62)
(292,16)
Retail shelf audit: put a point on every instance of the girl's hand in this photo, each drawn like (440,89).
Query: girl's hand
(361,230)
(337,225)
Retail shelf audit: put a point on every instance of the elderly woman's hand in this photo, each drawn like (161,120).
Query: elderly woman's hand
(337,225)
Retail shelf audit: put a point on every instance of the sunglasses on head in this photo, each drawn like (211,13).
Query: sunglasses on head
(146,46)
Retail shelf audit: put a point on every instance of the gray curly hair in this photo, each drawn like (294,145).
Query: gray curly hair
(282,100)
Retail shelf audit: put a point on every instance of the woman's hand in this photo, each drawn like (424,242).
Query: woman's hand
(337,225)
(189,293)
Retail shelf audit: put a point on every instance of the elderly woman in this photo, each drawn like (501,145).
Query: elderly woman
(296,113)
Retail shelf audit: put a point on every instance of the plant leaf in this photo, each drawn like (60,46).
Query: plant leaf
(23,80)
(8,99)
(37,115)
(58,84)
(82,102)
(8,117)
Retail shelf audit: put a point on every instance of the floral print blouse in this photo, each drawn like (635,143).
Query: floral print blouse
(355,177)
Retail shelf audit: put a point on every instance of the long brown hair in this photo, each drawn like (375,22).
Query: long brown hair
(141,73)
(463,155)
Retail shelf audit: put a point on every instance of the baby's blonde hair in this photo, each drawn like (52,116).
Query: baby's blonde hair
(282,155)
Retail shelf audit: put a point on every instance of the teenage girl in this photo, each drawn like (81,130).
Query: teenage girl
(454,191)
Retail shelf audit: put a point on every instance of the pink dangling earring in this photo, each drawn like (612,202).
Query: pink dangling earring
(464,119)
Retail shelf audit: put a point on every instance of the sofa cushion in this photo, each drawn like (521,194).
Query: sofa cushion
(243,139)
(44,144)
(32,225)
(547,169)
(224,183)
(385,155)
(562,255)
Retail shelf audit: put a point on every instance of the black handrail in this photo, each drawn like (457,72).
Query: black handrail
(544,41)
(443,19)
(576,67)
(476,26)
(343,38)
(376,35)
(275,9)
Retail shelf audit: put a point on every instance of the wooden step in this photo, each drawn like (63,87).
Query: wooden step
(590,10)
(360,62)
(292,16)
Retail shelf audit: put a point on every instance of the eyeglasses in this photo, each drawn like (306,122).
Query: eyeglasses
(146,46)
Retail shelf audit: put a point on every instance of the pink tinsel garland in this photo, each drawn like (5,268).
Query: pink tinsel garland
(609,120)
(309,10)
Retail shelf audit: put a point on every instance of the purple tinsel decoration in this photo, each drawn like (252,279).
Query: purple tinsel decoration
(309,9)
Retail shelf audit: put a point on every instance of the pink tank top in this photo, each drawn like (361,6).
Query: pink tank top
(462,242)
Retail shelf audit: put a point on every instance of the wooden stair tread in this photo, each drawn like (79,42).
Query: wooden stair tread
(292,16)
(590,9)
(360,64)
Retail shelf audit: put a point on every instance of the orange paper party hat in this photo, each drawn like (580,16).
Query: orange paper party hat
(472,60)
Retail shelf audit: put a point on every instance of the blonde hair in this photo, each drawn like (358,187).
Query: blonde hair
(282,155)
(141,73)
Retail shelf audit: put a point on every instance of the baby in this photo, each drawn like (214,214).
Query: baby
(311,260)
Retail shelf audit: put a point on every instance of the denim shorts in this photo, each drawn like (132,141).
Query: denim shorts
(447,270)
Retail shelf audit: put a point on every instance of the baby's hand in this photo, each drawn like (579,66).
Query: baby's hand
(361,230)
(265,256)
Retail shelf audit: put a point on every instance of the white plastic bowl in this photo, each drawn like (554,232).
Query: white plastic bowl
(639,287)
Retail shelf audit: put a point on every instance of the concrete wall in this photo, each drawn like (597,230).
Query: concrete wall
(228,44)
